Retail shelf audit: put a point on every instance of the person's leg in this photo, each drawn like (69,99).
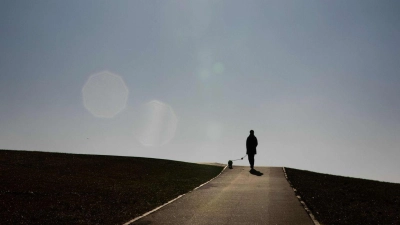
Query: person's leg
(251,160)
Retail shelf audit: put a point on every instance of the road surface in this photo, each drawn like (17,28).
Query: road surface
(236,197)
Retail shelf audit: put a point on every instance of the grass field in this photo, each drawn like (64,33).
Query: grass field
(56,188)
(345,200)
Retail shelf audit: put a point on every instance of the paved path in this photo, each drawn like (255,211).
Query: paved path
(236,197)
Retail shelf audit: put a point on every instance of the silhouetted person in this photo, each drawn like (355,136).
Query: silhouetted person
(251,145)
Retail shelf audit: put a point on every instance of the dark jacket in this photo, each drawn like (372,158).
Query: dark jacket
(251,144)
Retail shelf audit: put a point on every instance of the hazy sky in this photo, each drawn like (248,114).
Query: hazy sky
(318,81)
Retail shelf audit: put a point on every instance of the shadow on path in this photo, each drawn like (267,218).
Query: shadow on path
(255,172)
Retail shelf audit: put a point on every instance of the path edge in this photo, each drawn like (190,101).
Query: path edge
(159,207)
(301,201)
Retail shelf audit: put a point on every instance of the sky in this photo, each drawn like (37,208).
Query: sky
(318,81)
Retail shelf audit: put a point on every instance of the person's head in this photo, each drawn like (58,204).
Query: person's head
(252,132)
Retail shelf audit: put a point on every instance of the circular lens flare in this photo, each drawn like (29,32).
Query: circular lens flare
(105,94)
(218,68)
(155,124)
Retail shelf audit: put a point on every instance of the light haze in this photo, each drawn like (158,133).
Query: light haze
(318,81)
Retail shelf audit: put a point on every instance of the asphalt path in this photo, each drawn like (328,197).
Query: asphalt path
(236,197)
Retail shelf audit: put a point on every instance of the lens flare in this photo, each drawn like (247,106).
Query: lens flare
(218,68)
(155,124)
(105,94)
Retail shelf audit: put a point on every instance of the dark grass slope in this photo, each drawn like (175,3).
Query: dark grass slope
(345,200)
(55,188)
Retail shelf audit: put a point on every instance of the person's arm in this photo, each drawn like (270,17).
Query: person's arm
(255,145)
(247,146)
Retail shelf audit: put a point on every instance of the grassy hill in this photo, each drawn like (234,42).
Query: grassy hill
(57,188)
(345,200)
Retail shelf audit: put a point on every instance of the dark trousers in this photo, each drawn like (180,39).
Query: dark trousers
(251,160)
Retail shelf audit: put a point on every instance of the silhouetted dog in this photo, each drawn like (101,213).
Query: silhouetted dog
(230,164)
